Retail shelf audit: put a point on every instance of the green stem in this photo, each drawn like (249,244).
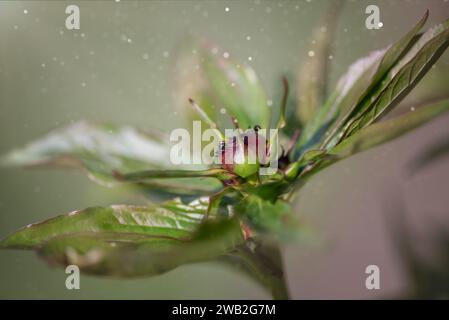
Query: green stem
(263,262)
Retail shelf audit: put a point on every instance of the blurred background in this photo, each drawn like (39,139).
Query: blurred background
(119,67)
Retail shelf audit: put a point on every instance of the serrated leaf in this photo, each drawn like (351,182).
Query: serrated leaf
(313,74)
(100,150)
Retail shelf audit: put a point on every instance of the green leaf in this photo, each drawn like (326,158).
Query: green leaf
(235,87)
(398,49)
(99,146)
(100,150)
(355,80)
(371,137)
(352,88)
(385,131)
(313,74)
(173,220)
(401,79)
(214,80)
(307,159)
(269,190)
(128,241)
(266,216)
(145,257)
(363,77)
(131,241)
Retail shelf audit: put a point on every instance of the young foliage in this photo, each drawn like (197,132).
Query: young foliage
(236,208)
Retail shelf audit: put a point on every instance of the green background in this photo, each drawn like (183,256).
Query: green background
(120,68)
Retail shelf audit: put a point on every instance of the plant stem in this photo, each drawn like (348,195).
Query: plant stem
(263,262)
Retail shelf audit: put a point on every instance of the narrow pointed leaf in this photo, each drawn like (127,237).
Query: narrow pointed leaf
(372,136)
(355,80)
(385,131)
(398,49)
(352,88)
(401,79)
(368,72)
